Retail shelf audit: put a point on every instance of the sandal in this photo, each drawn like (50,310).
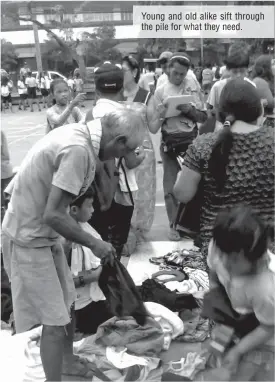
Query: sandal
(175,276)
(174,235)
(156,260)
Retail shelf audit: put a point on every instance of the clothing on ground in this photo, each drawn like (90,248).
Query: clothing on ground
(152,291)
(144,340)
(196,328)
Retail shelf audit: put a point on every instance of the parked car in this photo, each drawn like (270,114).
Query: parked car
(52,75)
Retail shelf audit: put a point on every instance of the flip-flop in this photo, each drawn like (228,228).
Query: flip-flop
(174,235)
(156,260)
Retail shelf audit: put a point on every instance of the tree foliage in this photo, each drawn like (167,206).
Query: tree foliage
(73,49)
(9,57)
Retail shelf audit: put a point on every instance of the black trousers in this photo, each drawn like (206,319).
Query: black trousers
(91,317)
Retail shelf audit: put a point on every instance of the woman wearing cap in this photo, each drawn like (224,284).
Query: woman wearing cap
(177,131)
(146,173)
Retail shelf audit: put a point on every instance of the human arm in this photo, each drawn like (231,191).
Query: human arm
(262,298)
(186,185)
(88,276)
(155,115)
(155,112)
(67,182)
(78,116)
(56,119)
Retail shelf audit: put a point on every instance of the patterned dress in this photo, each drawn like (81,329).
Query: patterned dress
(250,177)
(145,197)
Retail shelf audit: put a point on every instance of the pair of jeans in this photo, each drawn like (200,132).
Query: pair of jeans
(170,173)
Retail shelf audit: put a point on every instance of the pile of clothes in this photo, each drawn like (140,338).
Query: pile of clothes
(180,286)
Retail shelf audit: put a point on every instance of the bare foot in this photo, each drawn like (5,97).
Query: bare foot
(78,367)
(174,235)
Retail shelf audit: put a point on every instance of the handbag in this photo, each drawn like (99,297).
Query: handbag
(106,179)
(178,133)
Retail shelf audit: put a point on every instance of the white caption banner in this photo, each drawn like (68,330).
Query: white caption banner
(205,21)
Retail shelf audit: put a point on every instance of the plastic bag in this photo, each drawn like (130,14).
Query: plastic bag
(121,293)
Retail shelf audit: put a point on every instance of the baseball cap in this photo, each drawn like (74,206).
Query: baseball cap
(108,78)
(165,56)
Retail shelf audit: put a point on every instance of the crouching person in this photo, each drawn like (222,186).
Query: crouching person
(90,305)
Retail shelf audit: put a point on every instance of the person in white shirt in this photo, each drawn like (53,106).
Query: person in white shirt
(6,89)
(23,92)
(237,64)
(109,85)
(163,62)
(71,84)
(44,85)
(32,85)
(90,305)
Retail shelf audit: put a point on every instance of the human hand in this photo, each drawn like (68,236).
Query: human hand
(140,153)
(185,108)
(78,99)
(264,102)
(231,361)
(103,250)
(161,109)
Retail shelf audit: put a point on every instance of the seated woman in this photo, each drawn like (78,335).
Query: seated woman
(90,305)
(240,262)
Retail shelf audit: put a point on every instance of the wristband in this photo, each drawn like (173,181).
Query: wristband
(81,281)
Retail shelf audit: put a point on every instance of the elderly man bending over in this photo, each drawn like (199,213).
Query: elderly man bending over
(58,168)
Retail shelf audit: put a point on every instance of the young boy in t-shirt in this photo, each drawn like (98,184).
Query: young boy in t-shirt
(90,304)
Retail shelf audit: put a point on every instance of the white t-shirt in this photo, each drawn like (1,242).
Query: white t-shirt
(147,79)
(22,89)
(215,94)
(84,258)
(71,83)
(62,158)
(222,70)
(31,82)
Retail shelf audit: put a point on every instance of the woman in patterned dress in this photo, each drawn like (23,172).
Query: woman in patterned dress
(145,199)
(234,165)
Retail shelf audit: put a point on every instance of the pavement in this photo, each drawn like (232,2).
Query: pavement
(23,129)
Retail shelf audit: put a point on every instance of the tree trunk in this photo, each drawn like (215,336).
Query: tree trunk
(82,67)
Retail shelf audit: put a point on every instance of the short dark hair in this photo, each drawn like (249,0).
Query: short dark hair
(133,64)
(238,56)
(89,194)
(240,229)
(263,68)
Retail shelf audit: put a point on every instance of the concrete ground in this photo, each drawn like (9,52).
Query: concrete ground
(24,128)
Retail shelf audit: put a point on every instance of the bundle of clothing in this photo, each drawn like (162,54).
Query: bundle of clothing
(120,350)
(180,286)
